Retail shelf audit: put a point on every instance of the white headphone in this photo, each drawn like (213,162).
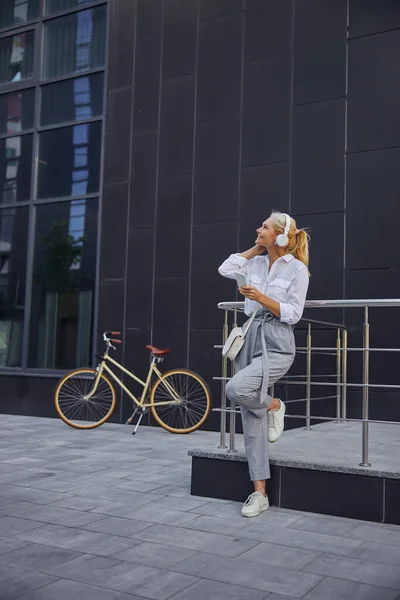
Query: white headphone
(282,239)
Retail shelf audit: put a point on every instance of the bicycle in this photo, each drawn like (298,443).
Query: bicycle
(180,400)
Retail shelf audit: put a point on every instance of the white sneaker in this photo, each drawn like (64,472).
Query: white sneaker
(255,504)
(276,423)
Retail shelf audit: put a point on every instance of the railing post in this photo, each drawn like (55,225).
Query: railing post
(308,380)
(338,374)
(225,333)
(365,407)
(344,374)
(232,417)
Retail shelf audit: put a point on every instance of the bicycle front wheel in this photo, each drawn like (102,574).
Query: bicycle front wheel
(72,404)
(194,401)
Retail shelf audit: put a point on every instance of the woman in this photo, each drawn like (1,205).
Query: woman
(277,287)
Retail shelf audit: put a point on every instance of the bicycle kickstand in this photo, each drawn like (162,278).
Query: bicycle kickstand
(137,424)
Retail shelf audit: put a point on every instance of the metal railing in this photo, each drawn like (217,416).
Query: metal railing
(340,384)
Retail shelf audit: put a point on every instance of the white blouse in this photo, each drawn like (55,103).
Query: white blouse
(287,282)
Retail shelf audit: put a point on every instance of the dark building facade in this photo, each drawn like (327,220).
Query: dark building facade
(142,141)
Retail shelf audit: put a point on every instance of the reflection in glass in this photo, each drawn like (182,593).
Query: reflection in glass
(69,161)
(55,6)
(16,111)
(13,253)
(72,100)
(15,168)
(63,284)
(17,12)
(75,43)
(16,57)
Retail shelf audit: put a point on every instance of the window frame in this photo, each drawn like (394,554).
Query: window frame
(37,82)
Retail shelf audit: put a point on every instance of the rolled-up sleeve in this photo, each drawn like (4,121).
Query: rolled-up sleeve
(292,309)
(234,264)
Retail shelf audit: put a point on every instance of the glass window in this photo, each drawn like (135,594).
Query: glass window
(69,161)
(17,12)
(55,6)
(72,100)
(16,111)
(13,253)
(75,43)
(63,284)
(16,57)
(15,168)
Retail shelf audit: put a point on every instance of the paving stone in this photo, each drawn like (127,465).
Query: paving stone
(68,590)
(175,503)
(319,542)
(79,503)
(273,554)
(234,571)
(8,544)
(80,540)
(195,540)
(333,589)
(144,581)
(154,555)
(214,524)
(329,526)
(37,557)
(137,486)
(378,552)
(117,526)
(232,511)
(375,533)
(214,590)
(13,525)
(58,516)
(16,582)
(145,513)
(363,571)
(29,495)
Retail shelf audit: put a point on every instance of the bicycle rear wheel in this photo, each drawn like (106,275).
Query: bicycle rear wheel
(73,407)
(194,396)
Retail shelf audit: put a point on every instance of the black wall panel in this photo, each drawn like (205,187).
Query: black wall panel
(373,191)
(121,57)
(180,37)
(219,68)
(147,83)
(174,226)
(269,28)
(214,9)
(263,189)
(374,92)
(177,126)
(149,17)
(319,50)
(266,110)
(368,16)
(170,325)
(139,285)
(119,116)
(142,201)
(318,157)
(113,231)
(217,170)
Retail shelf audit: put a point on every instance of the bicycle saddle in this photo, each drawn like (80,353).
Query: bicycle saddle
(158,351)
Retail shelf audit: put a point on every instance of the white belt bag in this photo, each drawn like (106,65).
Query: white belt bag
(235,341)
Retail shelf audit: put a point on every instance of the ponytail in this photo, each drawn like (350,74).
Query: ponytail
(300,248)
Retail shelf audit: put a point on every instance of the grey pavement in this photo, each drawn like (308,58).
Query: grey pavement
(103,515)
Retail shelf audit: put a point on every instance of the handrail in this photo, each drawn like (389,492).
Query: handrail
(340,351)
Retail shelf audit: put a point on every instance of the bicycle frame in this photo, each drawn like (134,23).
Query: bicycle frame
(145,384)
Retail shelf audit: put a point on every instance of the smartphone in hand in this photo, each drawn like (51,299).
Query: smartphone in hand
(241,279)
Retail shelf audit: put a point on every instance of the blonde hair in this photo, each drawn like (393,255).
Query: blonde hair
(298,238)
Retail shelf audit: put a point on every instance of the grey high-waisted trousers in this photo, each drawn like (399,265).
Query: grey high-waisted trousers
(266,356)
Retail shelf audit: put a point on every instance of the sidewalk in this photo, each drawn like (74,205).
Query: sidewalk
(103,515)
